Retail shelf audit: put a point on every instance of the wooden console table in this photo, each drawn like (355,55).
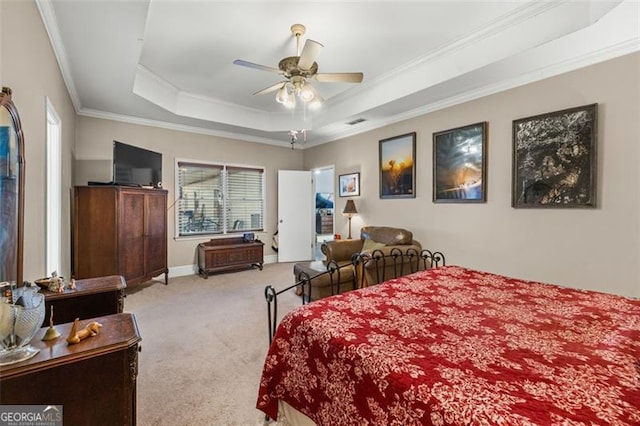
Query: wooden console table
(94,380)
(225,254)
(93,297)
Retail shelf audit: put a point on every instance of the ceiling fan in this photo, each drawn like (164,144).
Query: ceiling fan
(298,70)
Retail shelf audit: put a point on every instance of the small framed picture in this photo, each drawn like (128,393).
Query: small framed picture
(459,167)
(398,166)
(349,185)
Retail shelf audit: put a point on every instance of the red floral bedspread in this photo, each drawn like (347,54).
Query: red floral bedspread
(456,346)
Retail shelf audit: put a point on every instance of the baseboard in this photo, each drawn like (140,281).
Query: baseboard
(181,271)
(272,258)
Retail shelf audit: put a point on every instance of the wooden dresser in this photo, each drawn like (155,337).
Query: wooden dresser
(93,297)
(94,380)
(324,223)
(224,254)
(119,230)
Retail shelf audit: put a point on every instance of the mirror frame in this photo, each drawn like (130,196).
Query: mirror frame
(7,102)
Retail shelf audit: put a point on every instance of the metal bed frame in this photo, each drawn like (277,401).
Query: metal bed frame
(399,263)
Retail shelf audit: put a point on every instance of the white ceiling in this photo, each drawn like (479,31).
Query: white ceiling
(169,63)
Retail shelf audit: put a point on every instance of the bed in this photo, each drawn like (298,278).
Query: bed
(451,345)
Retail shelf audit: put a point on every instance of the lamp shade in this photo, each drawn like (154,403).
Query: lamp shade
(350,208)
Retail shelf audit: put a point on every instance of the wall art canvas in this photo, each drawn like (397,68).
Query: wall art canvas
(554,159)
(459,169)
(398,166)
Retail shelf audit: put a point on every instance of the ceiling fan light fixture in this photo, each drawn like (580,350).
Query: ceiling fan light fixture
(282,95)
(290,103)
(297,70)
(286,96)
(316,103)
(307,92)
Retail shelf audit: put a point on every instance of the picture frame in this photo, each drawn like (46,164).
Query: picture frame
(459,164)
(397,166)
(349,185)
(554,159)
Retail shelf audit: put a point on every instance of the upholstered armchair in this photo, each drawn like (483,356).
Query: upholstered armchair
(381,240)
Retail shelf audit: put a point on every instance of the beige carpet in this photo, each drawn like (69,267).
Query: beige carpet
(203,345)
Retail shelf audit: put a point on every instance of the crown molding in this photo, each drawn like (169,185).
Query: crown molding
(48,16)
(179,127)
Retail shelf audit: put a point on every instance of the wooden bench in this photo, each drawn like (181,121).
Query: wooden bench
(225,254)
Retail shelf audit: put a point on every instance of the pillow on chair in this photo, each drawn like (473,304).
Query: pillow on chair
(369,245)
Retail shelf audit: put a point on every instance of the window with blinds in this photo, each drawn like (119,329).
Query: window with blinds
(219,199)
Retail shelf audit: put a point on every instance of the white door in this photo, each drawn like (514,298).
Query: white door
(295,215)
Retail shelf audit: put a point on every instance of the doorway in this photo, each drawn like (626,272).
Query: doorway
(323,187)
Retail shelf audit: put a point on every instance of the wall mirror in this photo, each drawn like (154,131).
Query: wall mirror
(11,190)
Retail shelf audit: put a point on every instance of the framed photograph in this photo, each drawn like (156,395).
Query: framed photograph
(459,165)
(349,185)
(398,166)
(554,159)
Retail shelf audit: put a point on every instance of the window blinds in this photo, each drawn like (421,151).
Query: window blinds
(219,199)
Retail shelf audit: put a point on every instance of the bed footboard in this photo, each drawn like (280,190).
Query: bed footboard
(303,281)
(399,263)
(379,266)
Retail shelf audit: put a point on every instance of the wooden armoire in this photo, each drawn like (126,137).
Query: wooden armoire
(119,230)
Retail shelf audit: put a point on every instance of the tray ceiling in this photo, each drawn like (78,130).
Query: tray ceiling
(170,63)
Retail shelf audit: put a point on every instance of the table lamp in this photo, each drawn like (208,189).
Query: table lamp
(350,210)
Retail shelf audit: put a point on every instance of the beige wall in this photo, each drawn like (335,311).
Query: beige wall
(2,36)
(30,69)
(94,146)
(589,248)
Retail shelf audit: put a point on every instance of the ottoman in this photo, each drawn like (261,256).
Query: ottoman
(321,286)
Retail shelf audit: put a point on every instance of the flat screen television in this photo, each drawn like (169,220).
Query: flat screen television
(136,166)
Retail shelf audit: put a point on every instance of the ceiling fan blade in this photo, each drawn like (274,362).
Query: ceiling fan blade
(256,66)
(309,53)
(269,89)
(339,77)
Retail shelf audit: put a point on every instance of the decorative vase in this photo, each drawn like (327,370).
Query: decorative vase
(21,317)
